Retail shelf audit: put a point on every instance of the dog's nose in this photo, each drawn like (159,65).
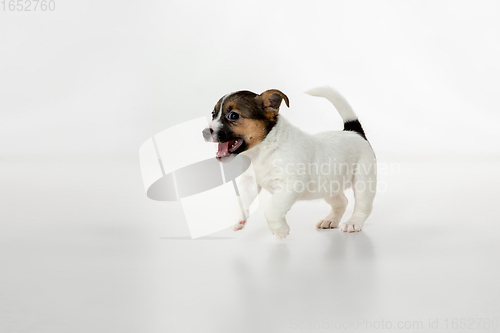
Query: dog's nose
(207,132)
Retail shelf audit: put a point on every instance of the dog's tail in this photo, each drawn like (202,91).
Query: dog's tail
(351,122)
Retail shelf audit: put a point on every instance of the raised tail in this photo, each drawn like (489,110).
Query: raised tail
(351,122)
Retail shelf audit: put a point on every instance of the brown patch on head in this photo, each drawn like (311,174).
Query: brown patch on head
(271,101)
(216,110)
(253,131)
(256,116)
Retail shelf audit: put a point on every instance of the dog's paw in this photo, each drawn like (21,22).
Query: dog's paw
(327,224)
(240,225)
(282,231)
(351,226)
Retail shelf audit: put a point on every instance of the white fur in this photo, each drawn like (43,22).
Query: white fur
(340,103)
(289,157)
(216,124)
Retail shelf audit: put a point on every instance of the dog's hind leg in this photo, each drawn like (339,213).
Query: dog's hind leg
(332,220)
(364,187)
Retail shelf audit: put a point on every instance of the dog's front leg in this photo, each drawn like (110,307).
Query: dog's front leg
(278,206)
(248,190)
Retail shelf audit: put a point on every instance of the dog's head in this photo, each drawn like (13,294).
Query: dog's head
(241,120)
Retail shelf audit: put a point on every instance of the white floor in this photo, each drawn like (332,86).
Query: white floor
(82,249)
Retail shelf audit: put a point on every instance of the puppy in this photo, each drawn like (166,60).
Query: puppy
(291,164)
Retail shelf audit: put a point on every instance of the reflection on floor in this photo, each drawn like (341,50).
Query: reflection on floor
(83,250)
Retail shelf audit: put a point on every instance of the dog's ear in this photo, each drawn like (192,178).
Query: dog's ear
(271,101)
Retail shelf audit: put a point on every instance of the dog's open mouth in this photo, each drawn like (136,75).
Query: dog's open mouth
(228,147)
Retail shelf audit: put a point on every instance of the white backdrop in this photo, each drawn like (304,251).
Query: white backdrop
(82,249)
(96,76)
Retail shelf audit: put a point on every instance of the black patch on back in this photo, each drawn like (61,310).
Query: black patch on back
(355,126)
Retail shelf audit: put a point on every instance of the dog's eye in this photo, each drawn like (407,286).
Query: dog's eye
(233,116)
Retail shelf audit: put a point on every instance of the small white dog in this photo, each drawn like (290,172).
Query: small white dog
(291,164)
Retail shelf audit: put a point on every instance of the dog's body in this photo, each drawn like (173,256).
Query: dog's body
(293,165)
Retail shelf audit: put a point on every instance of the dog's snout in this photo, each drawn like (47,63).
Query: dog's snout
(207,132)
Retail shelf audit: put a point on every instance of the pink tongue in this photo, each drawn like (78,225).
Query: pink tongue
(223,149)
